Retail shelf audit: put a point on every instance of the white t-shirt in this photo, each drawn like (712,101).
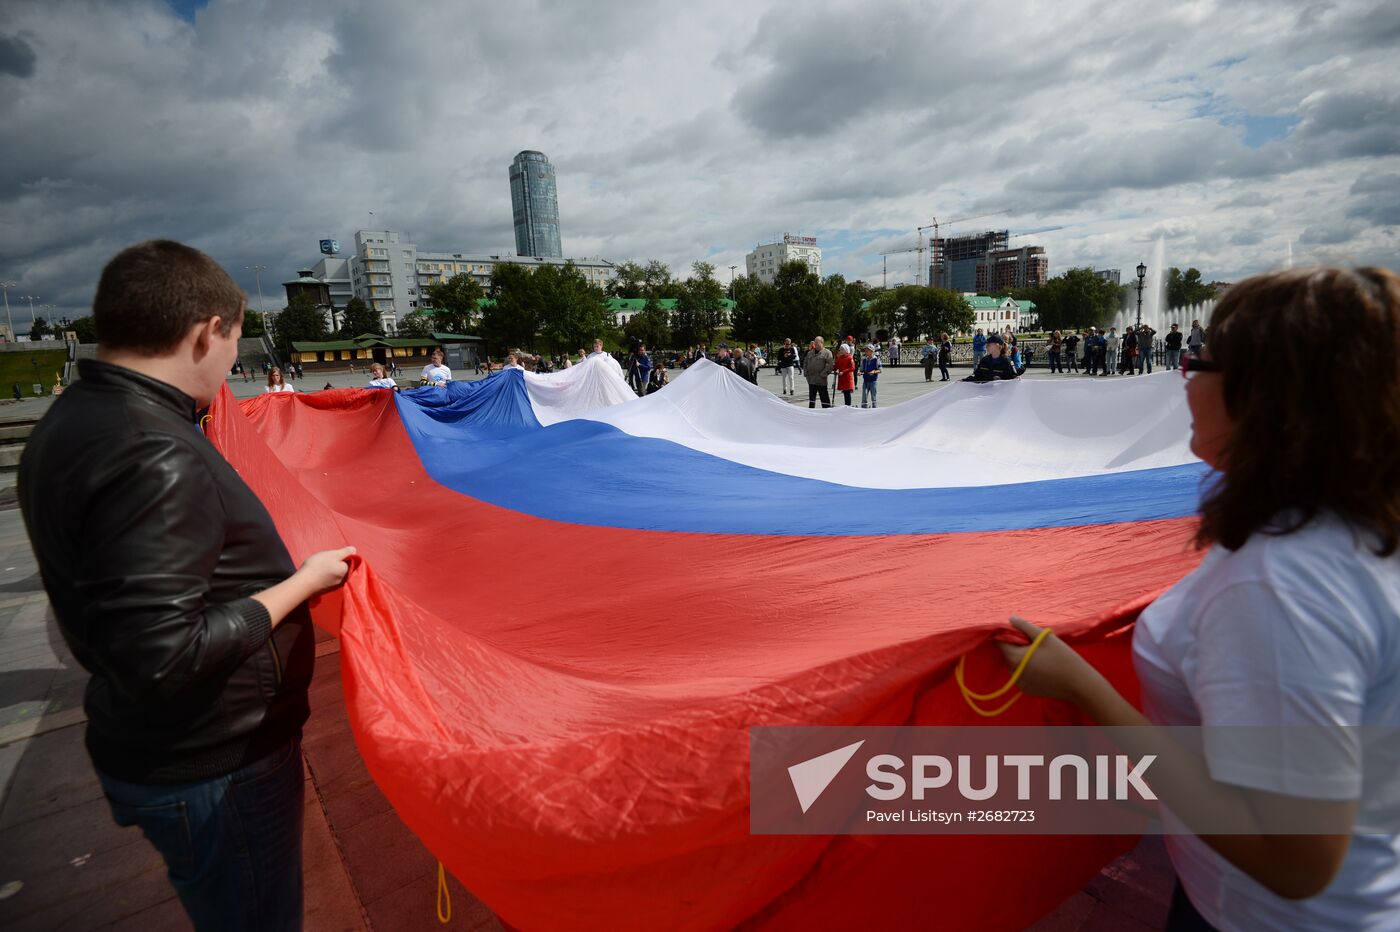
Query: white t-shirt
(437,373)
(284,387)
(381,383)
(1300,629)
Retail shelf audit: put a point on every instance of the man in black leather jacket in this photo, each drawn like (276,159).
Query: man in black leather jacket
(171,586)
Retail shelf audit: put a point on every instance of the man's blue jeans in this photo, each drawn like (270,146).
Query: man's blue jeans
(232,845)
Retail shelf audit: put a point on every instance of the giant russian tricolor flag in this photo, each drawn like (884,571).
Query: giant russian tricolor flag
(571,604)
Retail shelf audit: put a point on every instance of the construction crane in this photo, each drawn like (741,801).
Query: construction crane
(885,257)
(934,256)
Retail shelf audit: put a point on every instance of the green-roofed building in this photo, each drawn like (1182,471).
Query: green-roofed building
(406,352)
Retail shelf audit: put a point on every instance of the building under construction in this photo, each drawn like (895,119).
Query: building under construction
(985,264)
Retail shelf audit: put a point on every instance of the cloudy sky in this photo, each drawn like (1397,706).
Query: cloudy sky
(1235,131)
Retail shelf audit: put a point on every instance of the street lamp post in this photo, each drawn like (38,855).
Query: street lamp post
(1142,275)
(257,271)
(31,298)
(6,286)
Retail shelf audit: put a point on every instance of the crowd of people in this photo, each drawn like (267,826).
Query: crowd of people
(1102,353)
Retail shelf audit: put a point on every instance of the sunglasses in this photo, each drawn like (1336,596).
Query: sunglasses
(1193,364)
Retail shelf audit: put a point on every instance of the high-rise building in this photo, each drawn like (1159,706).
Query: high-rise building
(983,263)
(766,259)
(534,201)
(1023,267)
(958,262)
(1109,275)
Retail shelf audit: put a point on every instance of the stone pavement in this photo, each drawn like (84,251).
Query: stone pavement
(64,864)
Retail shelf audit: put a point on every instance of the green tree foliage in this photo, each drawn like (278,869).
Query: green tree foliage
(357,318)
(1185,288)
(855,316)
(301,321)
(253,324)
(416,325)
(917,311)
(573,310)
(1076,298)
(551,302)
(513,319)
(632,280)
(39,329)
(455,303)
(806,305)
(85,328)
(798,304)
(651,325)
(699,307)
(755,310)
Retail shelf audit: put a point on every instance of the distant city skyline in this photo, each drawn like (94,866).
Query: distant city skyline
(1240,134)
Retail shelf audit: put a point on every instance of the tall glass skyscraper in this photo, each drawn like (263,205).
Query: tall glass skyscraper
(535,203)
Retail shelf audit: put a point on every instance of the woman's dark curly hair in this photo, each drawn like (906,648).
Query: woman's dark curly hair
(1311,365)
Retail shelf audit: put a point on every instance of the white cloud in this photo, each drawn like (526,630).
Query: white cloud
(683,132)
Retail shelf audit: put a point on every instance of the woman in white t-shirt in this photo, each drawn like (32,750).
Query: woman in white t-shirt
(1292,619)
(436,372)
(275,382)
(379,377)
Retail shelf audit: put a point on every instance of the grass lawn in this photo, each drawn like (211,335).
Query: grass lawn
(18,368)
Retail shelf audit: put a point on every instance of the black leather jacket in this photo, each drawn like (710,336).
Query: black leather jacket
(150,547)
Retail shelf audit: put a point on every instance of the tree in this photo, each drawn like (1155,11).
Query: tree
(85,328)
(253,324)
(416,325)
(855,315)
(804,305)
(1076,298)
(631,280)
(1187,288)
(755,310)
(573,311)
(699,307)
(357,318)
(917,311)
(455,303)
(39,329)
(302,321)
(651,325)
(512,319)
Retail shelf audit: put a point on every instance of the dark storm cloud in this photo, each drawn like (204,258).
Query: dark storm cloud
(829,67)
(1376,197)
(263,126)
(1349,124)
(16,56)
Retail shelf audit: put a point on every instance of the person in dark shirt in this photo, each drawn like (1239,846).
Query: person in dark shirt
(994,366)
(172,587)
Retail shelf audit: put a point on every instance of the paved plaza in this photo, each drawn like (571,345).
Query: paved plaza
(64,864)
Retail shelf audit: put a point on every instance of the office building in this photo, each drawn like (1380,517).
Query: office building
(984,263)
(392,276)
(1109,275)
(1023,267)
(957,263)
(534,202)
(765,260)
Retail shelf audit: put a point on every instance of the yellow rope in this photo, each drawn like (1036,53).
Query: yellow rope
(204,422)
(970,696)
(444,897)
